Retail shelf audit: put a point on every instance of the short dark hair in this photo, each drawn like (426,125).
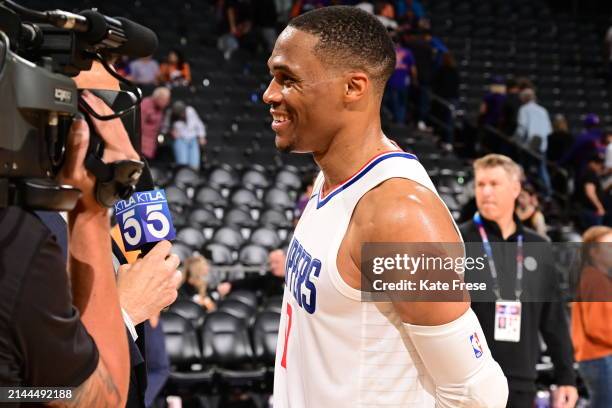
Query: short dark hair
(351,37)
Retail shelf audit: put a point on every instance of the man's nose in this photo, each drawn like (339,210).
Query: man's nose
(272,95)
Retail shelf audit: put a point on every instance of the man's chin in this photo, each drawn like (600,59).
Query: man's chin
(282,145)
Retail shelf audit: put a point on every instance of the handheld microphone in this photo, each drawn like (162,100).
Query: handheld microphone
(116,34)
(144,219)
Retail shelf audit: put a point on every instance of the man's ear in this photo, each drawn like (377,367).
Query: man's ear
(356,86)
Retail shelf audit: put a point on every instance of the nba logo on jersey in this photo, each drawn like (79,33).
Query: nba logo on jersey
(476,345)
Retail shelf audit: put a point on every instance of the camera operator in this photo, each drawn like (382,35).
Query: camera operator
(44,325)
(143,287)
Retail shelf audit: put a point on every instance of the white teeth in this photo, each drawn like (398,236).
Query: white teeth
(279,118)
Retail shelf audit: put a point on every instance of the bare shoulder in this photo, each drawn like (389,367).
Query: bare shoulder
(402,210)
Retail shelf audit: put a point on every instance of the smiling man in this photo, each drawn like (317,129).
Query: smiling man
(520,275)
(329,69)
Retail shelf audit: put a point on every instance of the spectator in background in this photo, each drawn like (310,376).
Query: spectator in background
(587,144)
(144,71)
(175,71)
(510,108)
(560,140)
(533,128)
(122,66)
(195,285)
(525,83)
(492,103)
(591,328)
(529,212)
(423,56)
(410,6)
(189,133)
(268,285)
(589,193)
(446,85)
(497,186)
(152,110)
(385,14)
(398,86)
(300,205)
(265,18)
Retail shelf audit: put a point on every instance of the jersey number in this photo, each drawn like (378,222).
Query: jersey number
(289,314)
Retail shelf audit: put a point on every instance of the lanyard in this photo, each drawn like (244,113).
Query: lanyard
(489,252)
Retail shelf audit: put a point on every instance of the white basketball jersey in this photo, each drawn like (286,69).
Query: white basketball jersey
(333,349)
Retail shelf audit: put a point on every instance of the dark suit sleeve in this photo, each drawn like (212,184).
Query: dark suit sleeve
(48,328)
(555,331)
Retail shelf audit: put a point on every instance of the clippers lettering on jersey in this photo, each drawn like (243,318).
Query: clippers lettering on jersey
(301,274)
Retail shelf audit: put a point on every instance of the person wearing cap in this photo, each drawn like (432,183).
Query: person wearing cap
(587,144)
(189,133)
(521,280)
(491,106)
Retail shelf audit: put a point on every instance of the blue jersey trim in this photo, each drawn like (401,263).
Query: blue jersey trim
(356,177)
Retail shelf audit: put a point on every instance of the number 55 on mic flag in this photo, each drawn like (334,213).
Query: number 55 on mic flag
(144,218)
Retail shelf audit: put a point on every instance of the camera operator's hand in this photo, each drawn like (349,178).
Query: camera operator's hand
(73,171)
(150,284)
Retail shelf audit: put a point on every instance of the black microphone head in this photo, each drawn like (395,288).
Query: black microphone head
(141,41)
(97,29)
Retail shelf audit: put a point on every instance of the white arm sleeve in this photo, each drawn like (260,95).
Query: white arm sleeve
(457,357)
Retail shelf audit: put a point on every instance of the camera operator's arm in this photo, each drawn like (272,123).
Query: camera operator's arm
(93,283)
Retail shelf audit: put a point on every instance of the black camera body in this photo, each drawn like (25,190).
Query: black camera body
(39,99)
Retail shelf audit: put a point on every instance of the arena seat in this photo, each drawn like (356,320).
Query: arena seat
(288,179)
(220,254)
(239,217)
(248,297)
(224,176)
(275,218)
(229,237)
(265,334)
(211,196)
(203,217)
(192,237)
(256,179)
(190,311)
(277,198)
(177,195)
(238,309)
(274,304)
(186,176)
(182,250)
(244,197)
(183,348)
(265,237)
(253,255)
(225,343)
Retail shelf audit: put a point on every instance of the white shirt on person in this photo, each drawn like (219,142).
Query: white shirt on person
(533,120)
(191,127)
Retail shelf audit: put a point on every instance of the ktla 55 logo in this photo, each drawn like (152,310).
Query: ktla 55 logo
(144,218)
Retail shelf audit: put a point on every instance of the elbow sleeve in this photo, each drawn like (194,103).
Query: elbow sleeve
(458,359)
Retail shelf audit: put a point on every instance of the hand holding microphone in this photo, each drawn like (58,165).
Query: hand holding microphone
(150,284)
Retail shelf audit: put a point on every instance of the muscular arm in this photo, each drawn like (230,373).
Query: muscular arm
(95,295)
(446,335)
(99,390)
(402,211)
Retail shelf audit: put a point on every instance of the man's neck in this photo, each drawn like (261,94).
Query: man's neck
(349,150)
(507,226)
